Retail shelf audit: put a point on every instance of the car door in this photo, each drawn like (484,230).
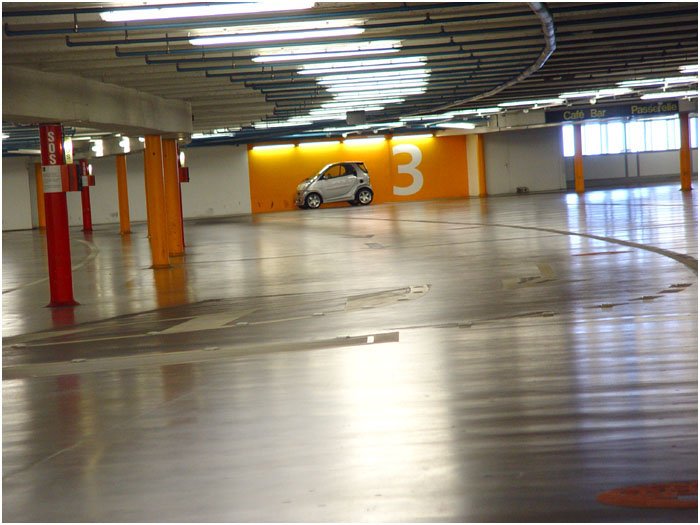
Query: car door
(333,183)
(342,182)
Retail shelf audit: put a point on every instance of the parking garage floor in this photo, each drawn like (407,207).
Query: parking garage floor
(503,360)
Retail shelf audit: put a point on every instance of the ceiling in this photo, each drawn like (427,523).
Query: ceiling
(448,58)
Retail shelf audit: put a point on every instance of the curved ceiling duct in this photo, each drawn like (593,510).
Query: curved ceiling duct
(550,45)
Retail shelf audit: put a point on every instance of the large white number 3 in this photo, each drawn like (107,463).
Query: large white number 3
(409,169)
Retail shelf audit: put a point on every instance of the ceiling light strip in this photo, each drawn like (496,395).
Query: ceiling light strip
(215,9)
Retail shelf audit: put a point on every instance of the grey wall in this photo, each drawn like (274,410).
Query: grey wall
(530,157)
(16,195)
(218,187)
(219,183)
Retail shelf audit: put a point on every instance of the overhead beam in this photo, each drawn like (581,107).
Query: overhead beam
(31,96)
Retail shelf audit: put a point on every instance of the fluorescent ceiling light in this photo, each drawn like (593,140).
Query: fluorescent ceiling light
(284,27)
(658,81)
(326,51)
(326,111)
(457,125)
(290,122)
(5,136)
(359,104)
(209,135)
(330,48)
(379,93)
(274,36)
(597,93)
(478,111)
(539,102)
(314,56)
(275,146)
(360,65)
(320,143)
(425,117)
(420,72)
(26,151)
(669,94)
(214,9)
(413,137)
(360,141)
(692,68)
(353,88)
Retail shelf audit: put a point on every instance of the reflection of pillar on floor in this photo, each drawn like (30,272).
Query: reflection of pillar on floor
(155,201)
(686,162)
(171,286)
(172,197)
(63,317)
(123,194)
(481,163)
(41,213)
(578,160)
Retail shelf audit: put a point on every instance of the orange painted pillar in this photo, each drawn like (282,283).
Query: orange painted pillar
(123,193)
(686,161)
(578,160)
(40,210)
(481,165)
(172,197)
(155,201)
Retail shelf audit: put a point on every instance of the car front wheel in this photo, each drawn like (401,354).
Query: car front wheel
(365,196)
(313,200)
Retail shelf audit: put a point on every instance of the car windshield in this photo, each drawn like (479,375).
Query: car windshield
(323,169)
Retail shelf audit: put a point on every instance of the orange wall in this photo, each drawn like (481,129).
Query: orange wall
(400,170)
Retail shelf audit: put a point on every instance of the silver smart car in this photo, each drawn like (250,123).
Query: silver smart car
(340,181)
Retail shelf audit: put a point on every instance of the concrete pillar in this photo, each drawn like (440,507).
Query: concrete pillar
(155,201)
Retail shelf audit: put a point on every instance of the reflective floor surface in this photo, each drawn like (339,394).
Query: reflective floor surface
(500,360)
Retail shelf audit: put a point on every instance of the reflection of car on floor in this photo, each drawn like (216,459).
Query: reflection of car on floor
(337,182)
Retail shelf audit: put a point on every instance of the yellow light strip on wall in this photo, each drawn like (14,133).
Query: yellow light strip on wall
(320,143)
(413,137)
(273,146)
(362,141)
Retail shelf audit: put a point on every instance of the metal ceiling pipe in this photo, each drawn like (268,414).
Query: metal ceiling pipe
(409,49)
(74,28)
(550,46)
(438,34)
(428,21)
(292,75)
(652,25)
(293,64)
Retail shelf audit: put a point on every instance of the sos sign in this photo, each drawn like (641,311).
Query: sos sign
(54,171)
(51,138)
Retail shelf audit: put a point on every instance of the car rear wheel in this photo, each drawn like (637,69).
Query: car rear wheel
(313,200)
(365,196)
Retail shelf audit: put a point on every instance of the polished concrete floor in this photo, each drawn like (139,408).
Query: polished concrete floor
(501,360)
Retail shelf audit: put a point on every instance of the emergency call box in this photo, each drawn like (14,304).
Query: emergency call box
(55,178)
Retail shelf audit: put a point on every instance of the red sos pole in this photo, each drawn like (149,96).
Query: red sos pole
(55,176)
(85,198)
